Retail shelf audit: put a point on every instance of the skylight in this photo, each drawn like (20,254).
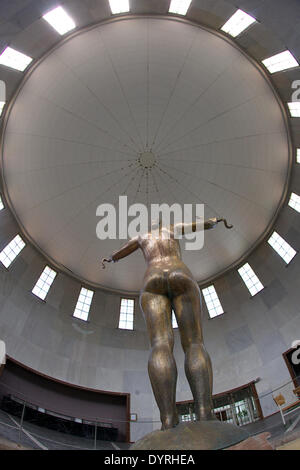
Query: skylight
(212,301)
(44,283)
(284,250)
(294,108)
(174,321)
(1,204)
(282,61)
(295,202)
(2,104)
(83,305)
(119,6)
(238,23)
(179,6)
(11,251)
(14,59)
(126,314)
(60,20)
(250,279)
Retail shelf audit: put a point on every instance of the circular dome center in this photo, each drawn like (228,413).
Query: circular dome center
(146,160)
(161,111)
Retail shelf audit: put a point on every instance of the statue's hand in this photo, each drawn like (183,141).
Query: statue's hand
(105,260)
(227,225)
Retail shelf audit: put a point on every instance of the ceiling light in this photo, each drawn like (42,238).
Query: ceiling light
(179,6)
(294,108)
(279,62)
(14,59)
(294,202)
(60,20)
(119,6)
(238,23)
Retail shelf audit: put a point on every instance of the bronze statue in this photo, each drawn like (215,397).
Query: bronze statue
(168,284)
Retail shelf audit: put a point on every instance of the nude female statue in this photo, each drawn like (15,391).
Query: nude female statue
(168,284)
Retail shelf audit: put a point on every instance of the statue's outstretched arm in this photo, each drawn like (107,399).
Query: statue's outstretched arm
(202,225)
(124,251)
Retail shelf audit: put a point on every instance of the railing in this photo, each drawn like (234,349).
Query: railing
(26,428)
(27,433)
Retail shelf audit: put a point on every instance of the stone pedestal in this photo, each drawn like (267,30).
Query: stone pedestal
(197,435)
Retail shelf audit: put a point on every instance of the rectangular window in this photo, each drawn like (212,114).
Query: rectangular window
(174,321)
(179,6)
(83,305)
(212,301)
(2,104)
(14,59)
(279,62)
(294,108)
(281,247)
(188,417)
(238,23)
(298,156)
(60,20)
(295,202)
(126,314)
(119,6)
(1,204)
(44,283)
(11,251)
(250,279)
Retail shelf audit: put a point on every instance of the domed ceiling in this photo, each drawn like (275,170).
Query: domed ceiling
(156,109)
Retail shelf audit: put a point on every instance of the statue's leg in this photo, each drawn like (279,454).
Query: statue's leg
(161,366)
(197,361)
